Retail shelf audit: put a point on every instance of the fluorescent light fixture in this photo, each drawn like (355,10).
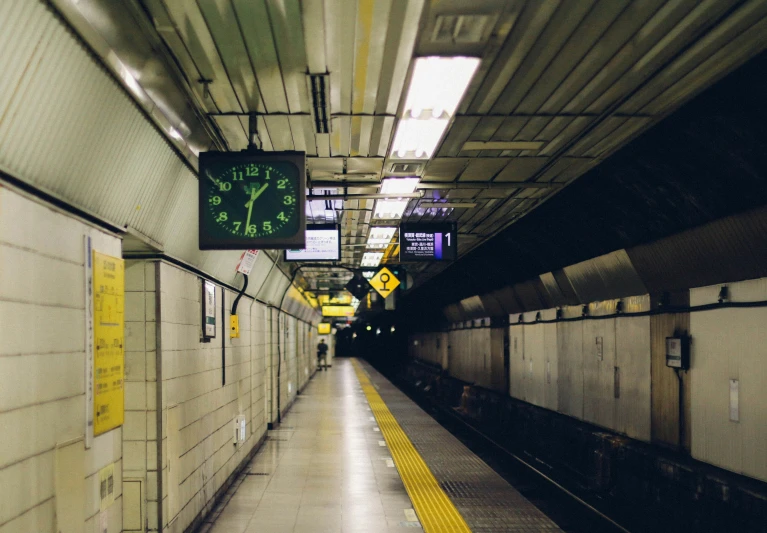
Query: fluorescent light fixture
(399,185)
(417,139)
(368,274)
(447,205)
(436,89)
(371,259)
(503,145)
(380,237)
(438,85)
(393,209)
(390,209)
(174,133)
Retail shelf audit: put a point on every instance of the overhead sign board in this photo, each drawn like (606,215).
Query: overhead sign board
(323,328)
(337,310)
(252,199)
(384,282)
(322,244)
(339,298)
(428,242)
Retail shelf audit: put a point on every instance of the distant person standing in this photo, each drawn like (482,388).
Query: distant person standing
(322,355)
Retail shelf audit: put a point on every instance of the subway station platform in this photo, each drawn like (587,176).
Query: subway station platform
(354,454)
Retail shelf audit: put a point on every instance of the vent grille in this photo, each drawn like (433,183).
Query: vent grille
(464,29)
(406,168)
(319,87)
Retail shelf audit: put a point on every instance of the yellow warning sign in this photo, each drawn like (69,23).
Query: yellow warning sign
(384,282)
(108,341)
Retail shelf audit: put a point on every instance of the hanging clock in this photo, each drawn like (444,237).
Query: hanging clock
(252,199)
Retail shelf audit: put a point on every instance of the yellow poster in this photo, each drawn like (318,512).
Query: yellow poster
(109,339)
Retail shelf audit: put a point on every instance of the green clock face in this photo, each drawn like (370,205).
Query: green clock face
(250,203)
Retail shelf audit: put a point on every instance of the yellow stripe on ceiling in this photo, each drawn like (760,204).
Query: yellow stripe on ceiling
(364,26)
(435,510)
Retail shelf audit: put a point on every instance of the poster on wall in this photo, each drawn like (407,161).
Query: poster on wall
(108,341)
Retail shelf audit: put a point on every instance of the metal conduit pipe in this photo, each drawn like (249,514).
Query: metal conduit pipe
(490,185)
(376,196)
(428,185)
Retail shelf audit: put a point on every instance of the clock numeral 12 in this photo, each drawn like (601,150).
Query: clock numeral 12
(252,170)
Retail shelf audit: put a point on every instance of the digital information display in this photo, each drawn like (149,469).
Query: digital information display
(322,244)
(427,242)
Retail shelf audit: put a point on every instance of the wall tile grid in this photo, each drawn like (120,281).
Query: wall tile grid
(201,456)
(140,429)
(42,362)
(198,409)
(730,344)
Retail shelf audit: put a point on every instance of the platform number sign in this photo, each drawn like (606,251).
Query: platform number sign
(252,200)
(384,282)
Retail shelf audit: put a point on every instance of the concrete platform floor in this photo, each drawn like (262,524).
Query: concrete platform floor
(326,469)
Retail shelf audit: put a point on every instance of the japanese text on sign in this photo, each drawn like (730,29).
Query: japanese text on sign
(108,340)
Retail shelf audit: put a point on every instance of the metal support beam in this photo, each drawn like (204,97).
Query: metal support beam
(443,185)
(489,185)
(376,196)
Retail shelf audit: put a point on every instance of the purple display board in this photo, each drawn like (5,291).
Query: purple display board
(428,242)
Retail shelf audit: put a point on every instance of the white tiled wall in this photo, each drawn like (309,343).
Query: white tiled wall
(730,344)
(199,406)
(42,362)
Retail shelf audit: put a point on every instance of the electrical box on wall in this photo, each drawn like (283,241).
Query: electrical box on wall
(234,327)
(678,352)
(239,430)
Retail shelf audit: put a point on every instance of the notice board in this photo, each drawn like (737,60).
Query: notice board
(108,341)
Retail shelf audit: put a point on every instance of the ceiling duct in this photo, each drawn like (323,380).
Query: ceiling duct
(464,29)
(319,88)
(406,168)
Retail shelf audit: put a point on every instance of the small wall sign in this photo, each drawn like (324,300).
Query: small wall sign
(208,310)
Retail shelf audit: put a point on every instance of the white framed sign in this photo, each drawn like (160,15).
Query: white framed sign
(208,310)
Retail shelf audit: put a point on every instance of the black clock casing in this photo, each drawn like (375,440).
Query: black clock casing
(252,199)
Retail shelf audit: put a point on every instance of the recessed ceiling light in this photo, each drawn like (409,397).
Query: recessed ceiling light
(436,89)
(380,237)
(503,145)
(371,259)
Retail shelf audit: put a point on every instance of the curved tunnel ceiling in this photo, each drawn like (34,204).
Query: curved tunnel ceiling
(577,80)
(705,162)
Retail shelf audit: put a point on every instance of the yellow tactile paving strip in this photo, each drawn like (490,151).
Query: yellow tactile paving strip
(434,508)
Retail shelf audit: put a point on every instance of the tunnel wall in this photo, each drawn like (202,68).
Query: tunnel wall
(609,369)
(42,372)
(198,402)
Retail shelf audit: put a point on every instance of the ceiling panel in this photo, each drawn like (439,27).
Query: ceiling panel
(483,169)
(521,168)
(445,169)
